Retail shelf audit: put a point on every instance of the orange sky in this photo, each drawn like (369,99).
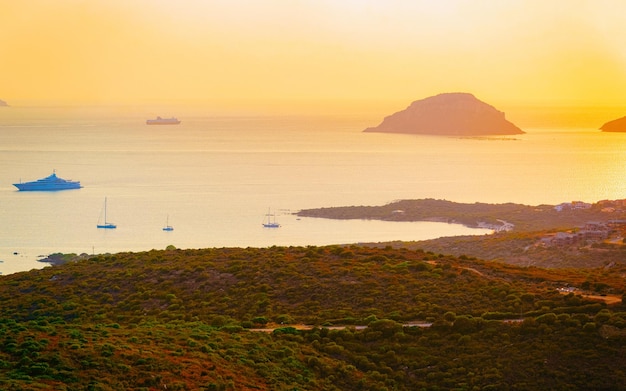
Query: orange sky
(292,53)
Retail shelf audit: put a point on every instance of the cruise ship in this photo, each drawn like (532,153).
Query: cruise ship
(49,183)
(163,121)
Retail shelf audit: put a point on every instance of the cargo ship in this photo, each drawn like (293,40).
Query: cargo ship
(163,121)
(49,183)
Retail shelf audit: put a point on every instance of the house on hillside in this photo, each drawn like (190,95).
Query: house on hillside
(592,231)
(572,205)
(595,231)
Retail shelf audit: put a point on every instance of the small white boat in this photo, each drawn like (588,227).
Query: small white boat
(271,221)
(168,227)
(106,224)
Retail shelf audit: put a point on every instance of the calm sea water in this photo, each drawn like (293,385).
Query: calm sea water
(215,178)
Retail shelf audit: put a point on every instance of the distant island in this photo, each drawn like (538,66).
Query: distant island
(450,114)
(617,125)
(3,103)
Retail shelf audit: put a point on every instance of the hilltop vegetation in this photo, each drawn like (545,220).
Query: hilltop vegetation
(186,320)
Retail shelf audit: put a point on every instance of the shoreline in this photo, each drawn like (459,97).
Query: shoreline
(499,217)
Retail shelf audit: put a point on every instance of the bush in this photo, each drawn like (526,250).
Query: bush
(548,318)
(260,320)
(589,327)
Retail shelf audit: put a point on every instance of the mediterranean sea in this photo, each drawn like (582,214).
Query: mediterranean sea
(214,178)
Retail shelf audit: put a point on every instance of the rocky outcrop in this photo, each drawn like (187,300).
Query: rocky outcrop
(457,114)
(617,125)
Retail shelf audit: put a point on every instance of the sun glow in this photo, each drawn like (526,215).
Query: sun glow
(291,54)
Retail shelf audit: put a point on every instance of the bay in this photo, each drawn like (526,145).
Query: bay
(215,177)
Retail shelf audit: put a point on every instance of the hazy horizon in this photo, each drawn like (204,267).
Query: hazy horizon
(314,56)
(371,112)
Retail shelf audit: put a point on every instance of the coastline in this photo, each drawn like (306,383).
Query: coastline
(499,217)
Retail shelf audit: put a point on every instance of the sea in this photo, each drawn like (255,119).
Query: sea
(215,178)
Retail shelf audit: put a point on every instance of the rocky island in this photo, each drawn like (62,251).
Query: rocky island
(617,125)
(450,114)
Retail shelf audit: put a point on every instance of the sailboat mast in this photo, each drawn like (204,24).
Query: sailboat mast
(271,223)
(106,224)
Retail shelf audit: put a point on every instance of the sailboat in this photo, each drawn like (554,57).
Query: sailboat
(168,227)
(106,224)
(271,223)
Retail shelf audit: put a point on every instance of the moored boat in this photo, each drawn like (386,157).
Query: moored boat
(163,121)
(106,224)
(271,221)
(49,183)
(168,227)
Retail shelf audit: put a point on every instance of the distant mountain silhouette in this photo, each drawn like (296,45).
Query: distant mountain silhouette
(617,125)
(458,114)
(3,103)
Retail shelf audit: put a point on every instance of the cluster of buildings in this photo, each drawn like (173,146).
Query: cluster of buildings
(572,206)
(607,206)
(593,231)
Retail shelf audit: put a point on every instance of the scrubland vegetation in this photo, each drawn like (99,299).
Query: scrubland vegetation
(523,249)
(189,320)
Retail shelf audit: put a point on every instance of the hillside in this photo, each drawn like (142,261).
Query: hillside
(186,320)
(458,114)
(522,249)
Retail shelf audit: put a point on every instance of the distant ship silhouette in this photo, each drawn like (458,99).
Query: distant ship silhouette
(163,121)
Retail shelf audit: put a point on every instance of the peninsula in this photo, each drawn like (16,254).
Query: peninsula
(449,114)
(571,234)
(617,125)
(480,215)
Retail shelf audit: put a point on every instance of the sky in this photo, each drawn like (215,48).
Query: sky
(311,53)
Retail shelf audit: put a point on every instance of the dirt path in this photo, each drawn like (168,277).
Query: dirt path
(608,299)
(271,327)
